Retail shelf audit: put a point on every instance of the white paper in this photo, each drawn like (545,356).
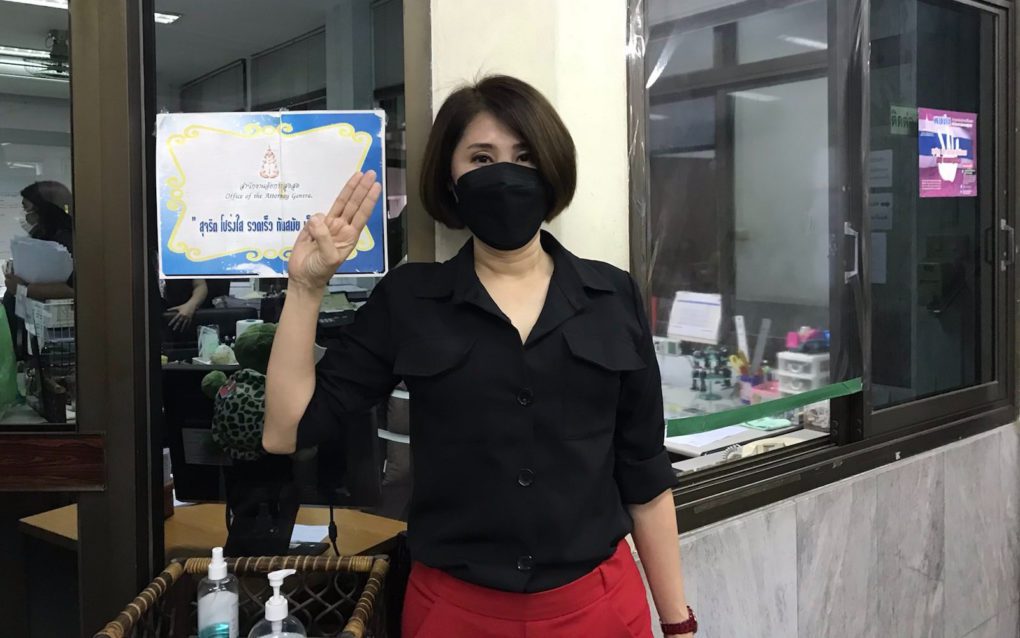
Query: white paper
(703,439)
(880,209)
(880,169)
(180,503)
(879,258)
(38,261)
(695,317)
(21,302)
(235,189)
(309,533)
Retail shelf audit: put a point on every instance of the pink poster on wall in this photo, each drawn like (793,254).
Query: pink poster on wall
(947,149)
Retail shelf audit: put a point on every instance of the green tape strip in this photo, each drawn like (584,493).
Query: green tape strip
(707,422)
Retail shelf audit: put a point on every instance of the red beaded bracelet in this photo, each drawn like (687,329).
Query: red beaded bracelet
(689,626)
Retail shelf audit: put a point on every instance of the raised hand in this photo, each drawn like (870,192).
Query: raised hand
(327,240)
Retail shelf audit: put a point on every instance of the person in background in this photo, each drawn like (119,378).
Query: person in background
(47,207)
(185,296)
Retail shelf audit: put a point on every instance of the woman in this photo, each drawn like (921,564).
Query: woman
(47,207)
(536,422)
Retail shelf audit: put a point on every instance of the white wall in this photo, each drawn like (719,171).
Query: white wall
(574,52)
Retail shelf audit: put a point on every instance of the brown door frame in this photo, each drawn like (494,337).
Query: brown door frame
(114,459)
(120,529)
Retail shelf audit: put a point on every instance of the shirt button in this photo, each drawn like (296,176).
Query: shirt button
(524,563)
(525,397)
(526,477)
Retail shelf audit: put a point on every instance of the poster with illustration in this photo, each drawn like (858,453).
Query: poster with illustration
(235,189)
(947,146)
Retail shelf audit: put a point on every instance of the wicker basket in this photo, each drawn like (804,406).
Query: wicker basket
(333,597)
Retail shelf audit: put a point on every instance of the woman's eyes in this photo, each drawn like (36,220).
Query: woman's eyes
(524,158)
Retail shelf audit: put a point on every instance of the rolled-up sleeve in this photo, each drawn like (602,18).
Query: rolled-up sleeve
(355,373)
(642,469)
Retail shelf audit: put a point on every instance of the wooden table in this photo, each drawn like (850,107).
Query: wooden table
(194,530)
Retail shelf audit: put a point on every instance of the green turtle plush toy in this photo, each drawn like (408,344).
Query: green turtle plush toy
(240,399)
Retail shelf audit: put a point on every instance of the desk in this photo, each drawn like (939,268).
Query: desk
(194,530)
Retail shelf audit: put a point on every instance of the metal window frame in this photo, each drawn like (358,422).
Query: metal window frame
(720,492)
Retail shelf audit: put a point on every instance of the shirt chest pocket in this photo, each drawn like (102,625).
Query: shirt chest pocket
(595,369)
(431,359)
(437,372)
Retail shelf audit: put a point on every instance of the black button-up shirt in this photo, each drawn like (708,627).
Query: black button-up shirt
(525,455)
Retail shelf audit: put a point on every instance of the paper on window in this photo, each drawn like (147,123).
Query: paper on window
(695,317)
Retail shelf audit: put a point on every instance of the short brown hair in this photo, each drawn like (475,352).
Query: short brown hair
(522,109)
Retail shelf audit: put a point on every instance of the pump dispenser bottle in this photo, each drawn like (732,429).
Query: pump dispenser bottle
(217,600)
(278,622)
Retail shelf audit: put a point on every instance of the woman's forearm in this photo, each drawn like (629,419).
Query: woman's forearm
(199,291)
(658,545)
(290,379)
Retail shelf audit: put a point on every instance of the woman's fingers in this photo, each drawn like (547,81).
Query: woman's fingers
(364,211)
(324,239)
(175,320)
(361,191)
(345,195)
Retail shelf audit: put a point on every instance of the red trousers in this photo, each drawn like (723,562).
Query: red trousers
(608,602)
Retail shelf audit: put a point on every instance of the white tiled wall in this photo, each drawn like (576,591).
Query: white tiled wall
(927,547)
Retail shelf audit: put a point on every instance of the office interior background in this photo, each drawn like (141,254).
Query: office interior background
(758,154)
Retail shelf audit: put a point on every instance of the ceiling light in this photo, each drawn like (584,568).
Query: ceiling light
(160,18)
(45,78)
(166,18)
(807,43)
(754,96)
(18,52)
(53,4)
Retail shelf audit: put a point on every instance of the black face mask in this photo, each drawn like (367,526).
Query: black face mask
(503,204)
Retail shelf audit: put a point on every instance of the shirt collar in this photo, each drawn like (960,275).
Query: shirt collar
(457,280)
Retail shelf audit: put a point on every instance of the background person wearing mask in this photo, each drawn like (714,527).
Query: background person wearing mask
(47,207)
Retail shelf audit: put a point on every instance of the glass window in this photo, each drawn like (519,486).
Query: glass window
(934,266)
(294,70)
(322,55)
(682,127)
(740,215)
(799,28)
(676,52)
(37,338)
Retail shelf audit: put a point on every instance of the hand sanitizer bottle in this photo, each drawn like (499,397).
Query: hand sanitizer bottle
(217,601)
(278,622)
